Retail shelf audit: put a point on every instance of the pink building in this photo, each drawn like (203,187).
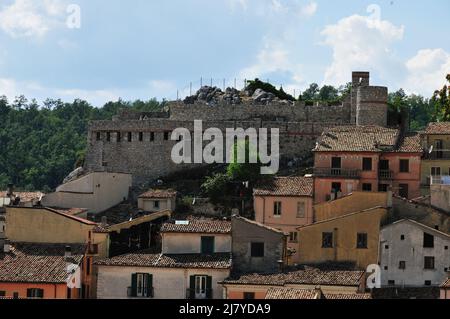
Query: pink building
(285,203)
(366,158)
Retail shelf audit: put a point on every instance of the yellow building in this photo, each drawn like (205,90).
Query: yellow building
(436,161)
(352,237)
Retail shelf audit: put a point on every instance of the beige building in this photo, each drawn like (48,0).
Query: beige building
(96,192)
(285,203)
(196,257)
(156,200)
(349,238)
(436,161)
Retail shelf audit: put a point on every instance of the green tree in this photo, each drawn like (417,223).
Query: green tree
(328,93)
(442,99)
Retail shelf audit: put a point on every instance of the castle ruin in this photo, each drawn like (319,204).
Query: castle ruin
(140,144)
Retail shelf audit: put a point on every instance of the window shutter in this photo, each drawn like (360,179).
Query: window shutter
(150,285)
(133,285)
(192,287)
(29,293)
(209,287)
(41,293)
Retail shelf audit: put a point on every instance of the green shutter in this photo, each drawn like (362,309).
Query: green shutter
(133,285)
(192,287)
(150,285)
(209,287)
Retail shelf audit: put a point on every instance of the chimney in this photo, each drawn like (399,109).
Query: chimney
(280,266)
(104,221)
(10,190)
(6,246)
(318,292)
(67,252)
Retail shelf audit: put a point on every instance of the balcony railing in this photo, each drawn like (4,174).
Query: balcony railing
(438,154)
(385,174)
(439,180)
(337,172)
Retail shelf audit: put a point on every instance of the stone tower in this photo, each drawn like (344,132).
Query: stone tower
(368,103)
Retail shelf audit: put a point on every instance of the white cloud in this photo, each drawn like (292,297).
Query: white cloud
(427,71)
(30,18)
(310,9)
(361,43)
(274,7)
(8,88)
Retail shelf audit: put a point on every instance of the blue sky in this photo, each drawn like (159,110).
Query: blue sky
(143,49)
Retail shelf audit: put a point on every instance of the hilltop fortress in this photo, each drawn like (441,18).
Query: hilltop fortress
(140,144)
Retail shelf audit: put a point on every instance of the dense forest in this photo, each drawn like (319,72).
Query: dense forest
(41,143)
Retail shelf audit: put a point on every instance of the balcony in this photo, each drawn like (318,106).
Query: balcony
(438,155)
(384,174)
(337,172)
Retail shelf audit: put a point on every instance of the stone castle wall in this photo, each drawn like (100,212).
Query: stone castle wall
(148,155)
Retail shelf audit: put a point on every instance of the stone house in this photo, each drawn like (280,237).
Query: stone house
(285,203)
(196,256)
(155,200)
(366,158)
(257,247)
(413,255)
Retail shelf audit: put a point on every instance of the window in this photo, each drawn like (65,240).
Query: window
(277,208)
(446,247)
(156,204)
(391,282)
(200,287)
(361,241)
(386,246)
(367,164)
(141,136)
(402,237)
(35,293)
(207,245)
(99,136)
(141,285)
(293,237)
(336,162)
(367,187)
(404,166)
(249,295)
(327,240)
(257,249)
(152,136)
(119,137)
(386,267)
(427,282)
(402,265)
(16,295)
(428,241)
(2,293)
(301,210)
(429,263)
(69,293)
(435,171)
(130,137)
(88,266)
(384,165)
(383,188)
(108,136)
(336,187)
(166,136)
(403,192)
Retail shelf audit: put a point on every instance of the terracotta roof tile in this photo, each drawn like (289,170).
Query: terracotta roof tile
(159,193)
(290,293)
(144,259)
(24,196)
(309,275)
(286,186)
(347,296)
(44,263)
(366,139)
(446,284)
(198,225)
(438,128)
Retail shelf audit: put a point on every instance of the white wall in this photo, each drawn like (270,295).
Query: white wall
(412,251)
(96,192)
(148,204)
(185,243)
(168,283)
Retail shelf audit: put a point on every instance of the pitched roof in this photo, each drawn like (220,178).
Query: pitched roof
(145,259)
(286,186)
(159,193)
(24,196)
(347,296)
(446,284)
(367,139)
(38,263)
(420,225)
(438,128)
(308,276)
(290,293)
(198,225)
(252,222)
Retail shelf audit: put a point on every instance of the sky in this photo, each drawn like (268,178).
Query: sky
(103,50)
